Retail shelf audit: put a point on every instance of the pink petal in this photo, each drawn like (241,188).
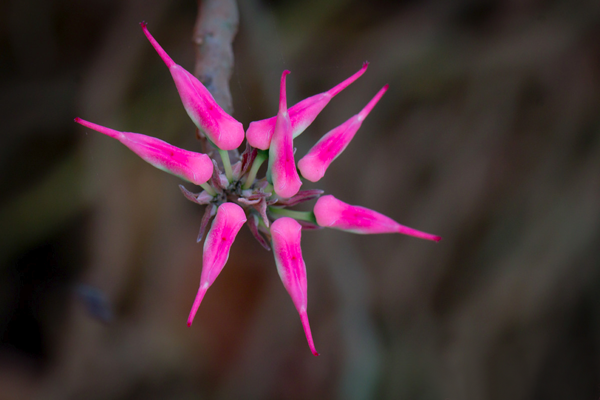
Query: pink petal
(193,167)
(302,114)
(226,225)
(282,165)
(221,128)
(314,164)
(333,213)
(285,236)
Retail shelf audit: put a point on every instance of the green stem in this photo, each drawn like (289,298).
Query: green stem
(268,189)
(261,223)
(226,164)
(260,158)
(302,215)
(209,189)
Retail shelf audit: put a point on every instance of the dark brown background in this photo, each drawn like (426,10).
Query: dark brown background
(489,136)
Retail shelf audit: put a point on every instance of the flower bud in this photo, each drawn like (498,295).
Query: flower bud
(226,225)
(282,166)
(193,167)
(285,236)
(314,164)
(333,213)
(221,128)
(302,114)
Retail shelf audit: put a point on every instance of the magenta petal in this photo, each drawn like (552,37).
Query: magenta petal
(193,167)
(221,128)
(333,213)
(282,165)
(285,236)
(302,114)
(226,225)
(314,164)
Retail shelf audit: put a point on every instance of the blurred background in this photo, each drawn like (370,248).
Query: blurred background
(488,136)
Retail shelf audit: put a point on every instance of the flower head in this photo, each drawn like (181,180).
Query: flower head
(232,193)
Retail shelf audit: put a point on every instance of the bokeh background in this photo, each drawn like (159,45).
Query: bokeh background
(489,136)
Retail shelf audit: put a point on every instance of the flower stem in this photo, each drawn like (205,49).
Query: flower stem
(302,215)
(226,164)
(261,223)
(209,189)
(260,158)
(268,188)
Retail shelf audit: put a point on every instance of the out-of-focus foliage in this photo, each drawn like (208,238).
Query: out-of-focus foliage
(489,136)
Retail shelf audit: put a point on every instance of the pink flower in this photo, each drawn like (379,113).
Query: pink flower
(314,164)
(282,166)
(225,227)
(233,195)
(285,233)
(302,114)
(221,128)
(333,213)
(193,167)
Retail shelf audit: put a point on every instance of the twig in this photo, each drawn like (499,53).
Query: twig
(216,27)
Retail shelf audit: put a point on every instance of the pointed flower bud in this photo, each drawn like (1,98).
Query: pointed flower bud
(333,213)
(302,114)
(193,167)
(221,128)
(286,234)
(226,225)
(314,164)
(282,167)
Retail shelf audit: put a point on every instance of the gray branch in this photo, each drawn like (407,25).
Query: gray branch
(216,27)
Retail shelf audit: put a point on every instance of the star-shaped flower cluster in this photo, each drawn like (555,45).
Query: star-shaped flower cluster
(232,193)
